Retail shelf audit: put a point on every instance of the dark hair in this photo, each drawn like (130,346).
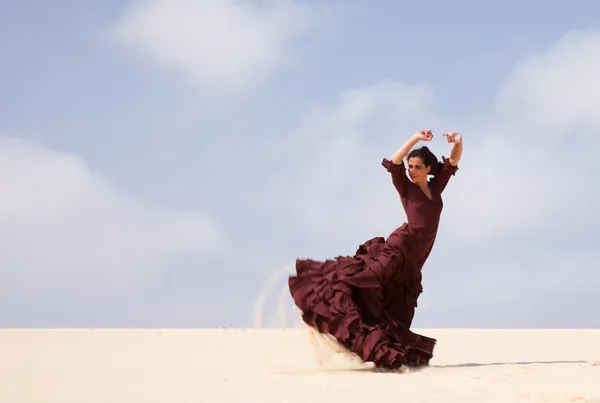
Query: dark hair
(429,159)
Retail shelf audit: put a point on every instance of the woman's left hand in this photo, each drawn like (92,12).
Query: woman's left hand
(453,137)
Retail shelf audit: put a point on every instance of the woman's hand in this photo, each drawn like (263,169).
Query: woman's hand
(424,135)
(401,152)
(456,152)
(453,137)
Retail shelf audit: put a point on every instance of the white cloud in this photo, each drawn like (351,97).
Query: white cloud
(543,287)
(66,232)
(225,45)
(556,92)
(534,161)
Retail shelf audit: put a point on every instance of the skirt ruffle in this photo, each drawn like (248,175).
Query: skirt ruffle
(346,298)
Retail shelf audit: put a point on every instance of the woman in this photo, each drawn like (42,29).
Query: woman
(367,301)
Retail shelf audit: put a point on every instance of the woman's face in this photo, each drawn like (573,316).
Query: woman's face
(417,170)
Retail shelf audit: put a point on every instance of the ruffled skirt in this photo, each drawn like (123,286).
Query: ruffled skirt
(366,302)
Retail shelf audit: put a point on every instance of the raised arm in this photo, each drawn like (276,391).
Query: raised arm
(448,166)
(396,165)
(401,152)
(456,152)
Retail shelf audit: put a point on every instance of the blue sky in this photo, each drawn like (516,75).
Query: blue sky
(159,160)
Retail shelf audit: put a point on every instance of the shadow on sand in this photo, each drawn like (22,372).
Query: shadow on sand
(491,364)
(411,370)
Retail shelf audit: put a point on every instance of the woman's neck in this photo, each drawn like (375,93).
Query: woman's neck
(424,185)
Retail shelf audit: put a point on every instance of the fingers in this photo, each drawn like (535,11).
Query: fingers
(428,135)
(425,135)
(451,136)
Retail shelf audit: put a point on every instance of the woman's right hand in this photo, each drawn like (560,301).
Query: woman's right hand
(401,152)
(424,135)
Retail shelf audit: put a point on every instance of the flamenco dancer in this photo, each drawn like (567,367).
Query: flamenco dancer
(367,301)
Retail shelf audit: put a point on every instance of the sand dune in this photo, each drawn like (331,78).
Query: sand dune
(266,365)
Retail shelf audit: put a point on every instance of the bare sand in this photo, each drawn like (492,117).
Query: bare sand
(271,365)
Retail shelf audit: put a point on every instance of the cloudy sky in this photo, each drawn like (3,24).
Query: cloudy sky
(159,160)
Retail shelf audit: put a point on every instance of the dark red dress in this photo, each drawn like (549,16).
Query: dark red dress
(367,301)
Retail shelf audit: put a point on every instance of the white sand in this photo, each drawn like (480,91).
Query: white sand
(252,366)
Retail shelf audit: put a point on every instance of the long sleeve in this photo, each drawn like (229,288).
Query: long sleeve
(398,172)
(441,179)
